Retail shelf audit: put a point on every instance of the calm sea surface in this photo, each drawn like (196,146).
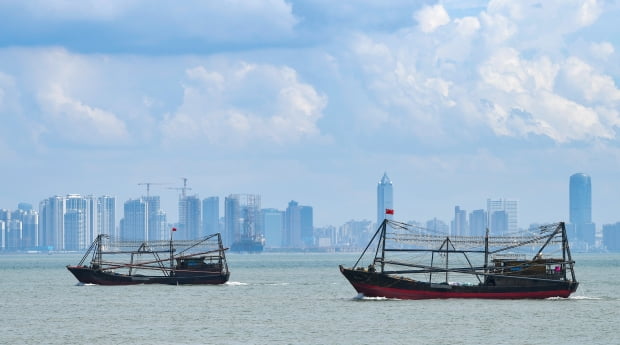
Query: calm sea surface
(290,299)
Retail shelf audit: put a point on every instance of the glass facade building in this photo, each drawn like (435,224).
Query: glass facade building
(385,199)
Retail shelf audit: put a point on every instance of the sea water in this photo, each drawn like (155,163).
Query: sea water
(290,299)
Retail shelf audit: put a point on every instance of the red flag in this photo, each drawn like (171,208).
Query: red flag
(174,229)
(389,211)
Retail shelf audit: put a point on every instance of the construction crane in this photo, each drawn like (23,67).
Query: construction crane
(148,186)
(182,189)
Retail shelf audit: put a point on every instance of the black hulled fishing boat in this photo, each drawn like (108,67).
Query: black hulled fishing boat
(409,262)
(201,261)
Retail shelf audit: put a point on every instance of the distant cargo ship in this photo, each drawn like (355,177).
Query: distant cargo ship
(248,245)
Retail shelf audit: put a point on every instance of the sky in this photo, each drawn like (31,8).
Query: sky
(313,101)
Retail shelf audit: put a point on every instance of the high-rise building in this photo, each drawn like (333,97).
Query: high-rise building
(273,224)
(307,226)
(106,215)
(210,215)
(503,215)
(189,217)
(242,218)
(134,225)
(22,226)
(477,223)
(459,225)
(298,226)
(156,228)
(51,223)
(385,199)
(611,237)
(580,207)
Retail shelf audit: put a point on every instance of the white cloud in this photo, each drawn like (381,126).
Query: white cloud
(245,104)
(80,123)
(602,50)
(431,17)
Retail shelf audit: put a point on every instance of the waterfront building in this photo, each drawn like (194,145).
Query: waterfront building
(298,226)
(503,214)
(51,223)
(385,199)
(580,208)
(106,215)
(189,217)
(477,223)
(156,227)
(242,218)
(134,224)
(273,224)
(459,226)
(437,225)
(611,237)
(210,215)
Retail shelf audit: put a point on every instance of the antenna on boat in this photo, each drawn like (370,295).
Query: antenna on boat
(172,251)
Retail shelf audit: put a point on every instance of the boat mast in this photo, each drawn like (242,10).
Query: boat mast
(486,251)
(171,253)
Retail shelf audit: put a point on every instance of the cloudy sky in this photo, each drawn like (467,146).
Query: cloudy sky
(312,101)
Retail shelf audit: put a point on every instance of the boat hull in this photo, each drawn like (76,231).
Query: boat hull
(88,275)
(373,284)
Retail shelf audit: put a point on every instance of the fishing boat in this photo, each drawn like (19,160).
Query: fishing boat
(404,261)
(202,261)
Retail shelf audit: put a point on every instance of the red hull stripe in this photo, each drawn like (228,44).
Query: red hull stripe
(378,291)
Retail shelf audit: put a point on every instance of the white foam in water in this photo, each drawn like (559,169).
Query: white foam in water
(236,283)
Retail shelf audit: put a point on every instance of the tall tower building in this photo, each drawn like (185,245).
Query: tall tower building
(134,225)
(51,223)
(477,223)
(156,228)
(307,226)
(242,218)
(580,207)
(273,223)
(503,215)
(189,217)
(210,215)
(106,215)
(459,225)
(385,199)
(292,225)
(75,219)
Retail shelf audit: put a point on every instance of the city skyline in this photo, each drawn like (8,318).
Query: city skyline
(71,222)
(384,189)
(458,101)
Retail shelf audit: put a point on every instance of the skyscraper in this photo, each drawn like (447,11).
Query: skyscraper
(134,225)
(580,207)
(273,223)
(477,223)
(242,218)
(503,215)
(51,224)
(298,226)
(106,214)
(211,215)
(156,228)
(459,224)
(385,199)
(189,217)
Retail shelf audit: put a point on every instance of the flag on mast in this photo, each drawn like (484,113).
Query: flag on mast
(389,211)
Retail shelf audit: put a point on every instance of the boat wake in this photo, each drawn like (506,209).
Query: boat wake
(236,283)
(361,297)
(85,284)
